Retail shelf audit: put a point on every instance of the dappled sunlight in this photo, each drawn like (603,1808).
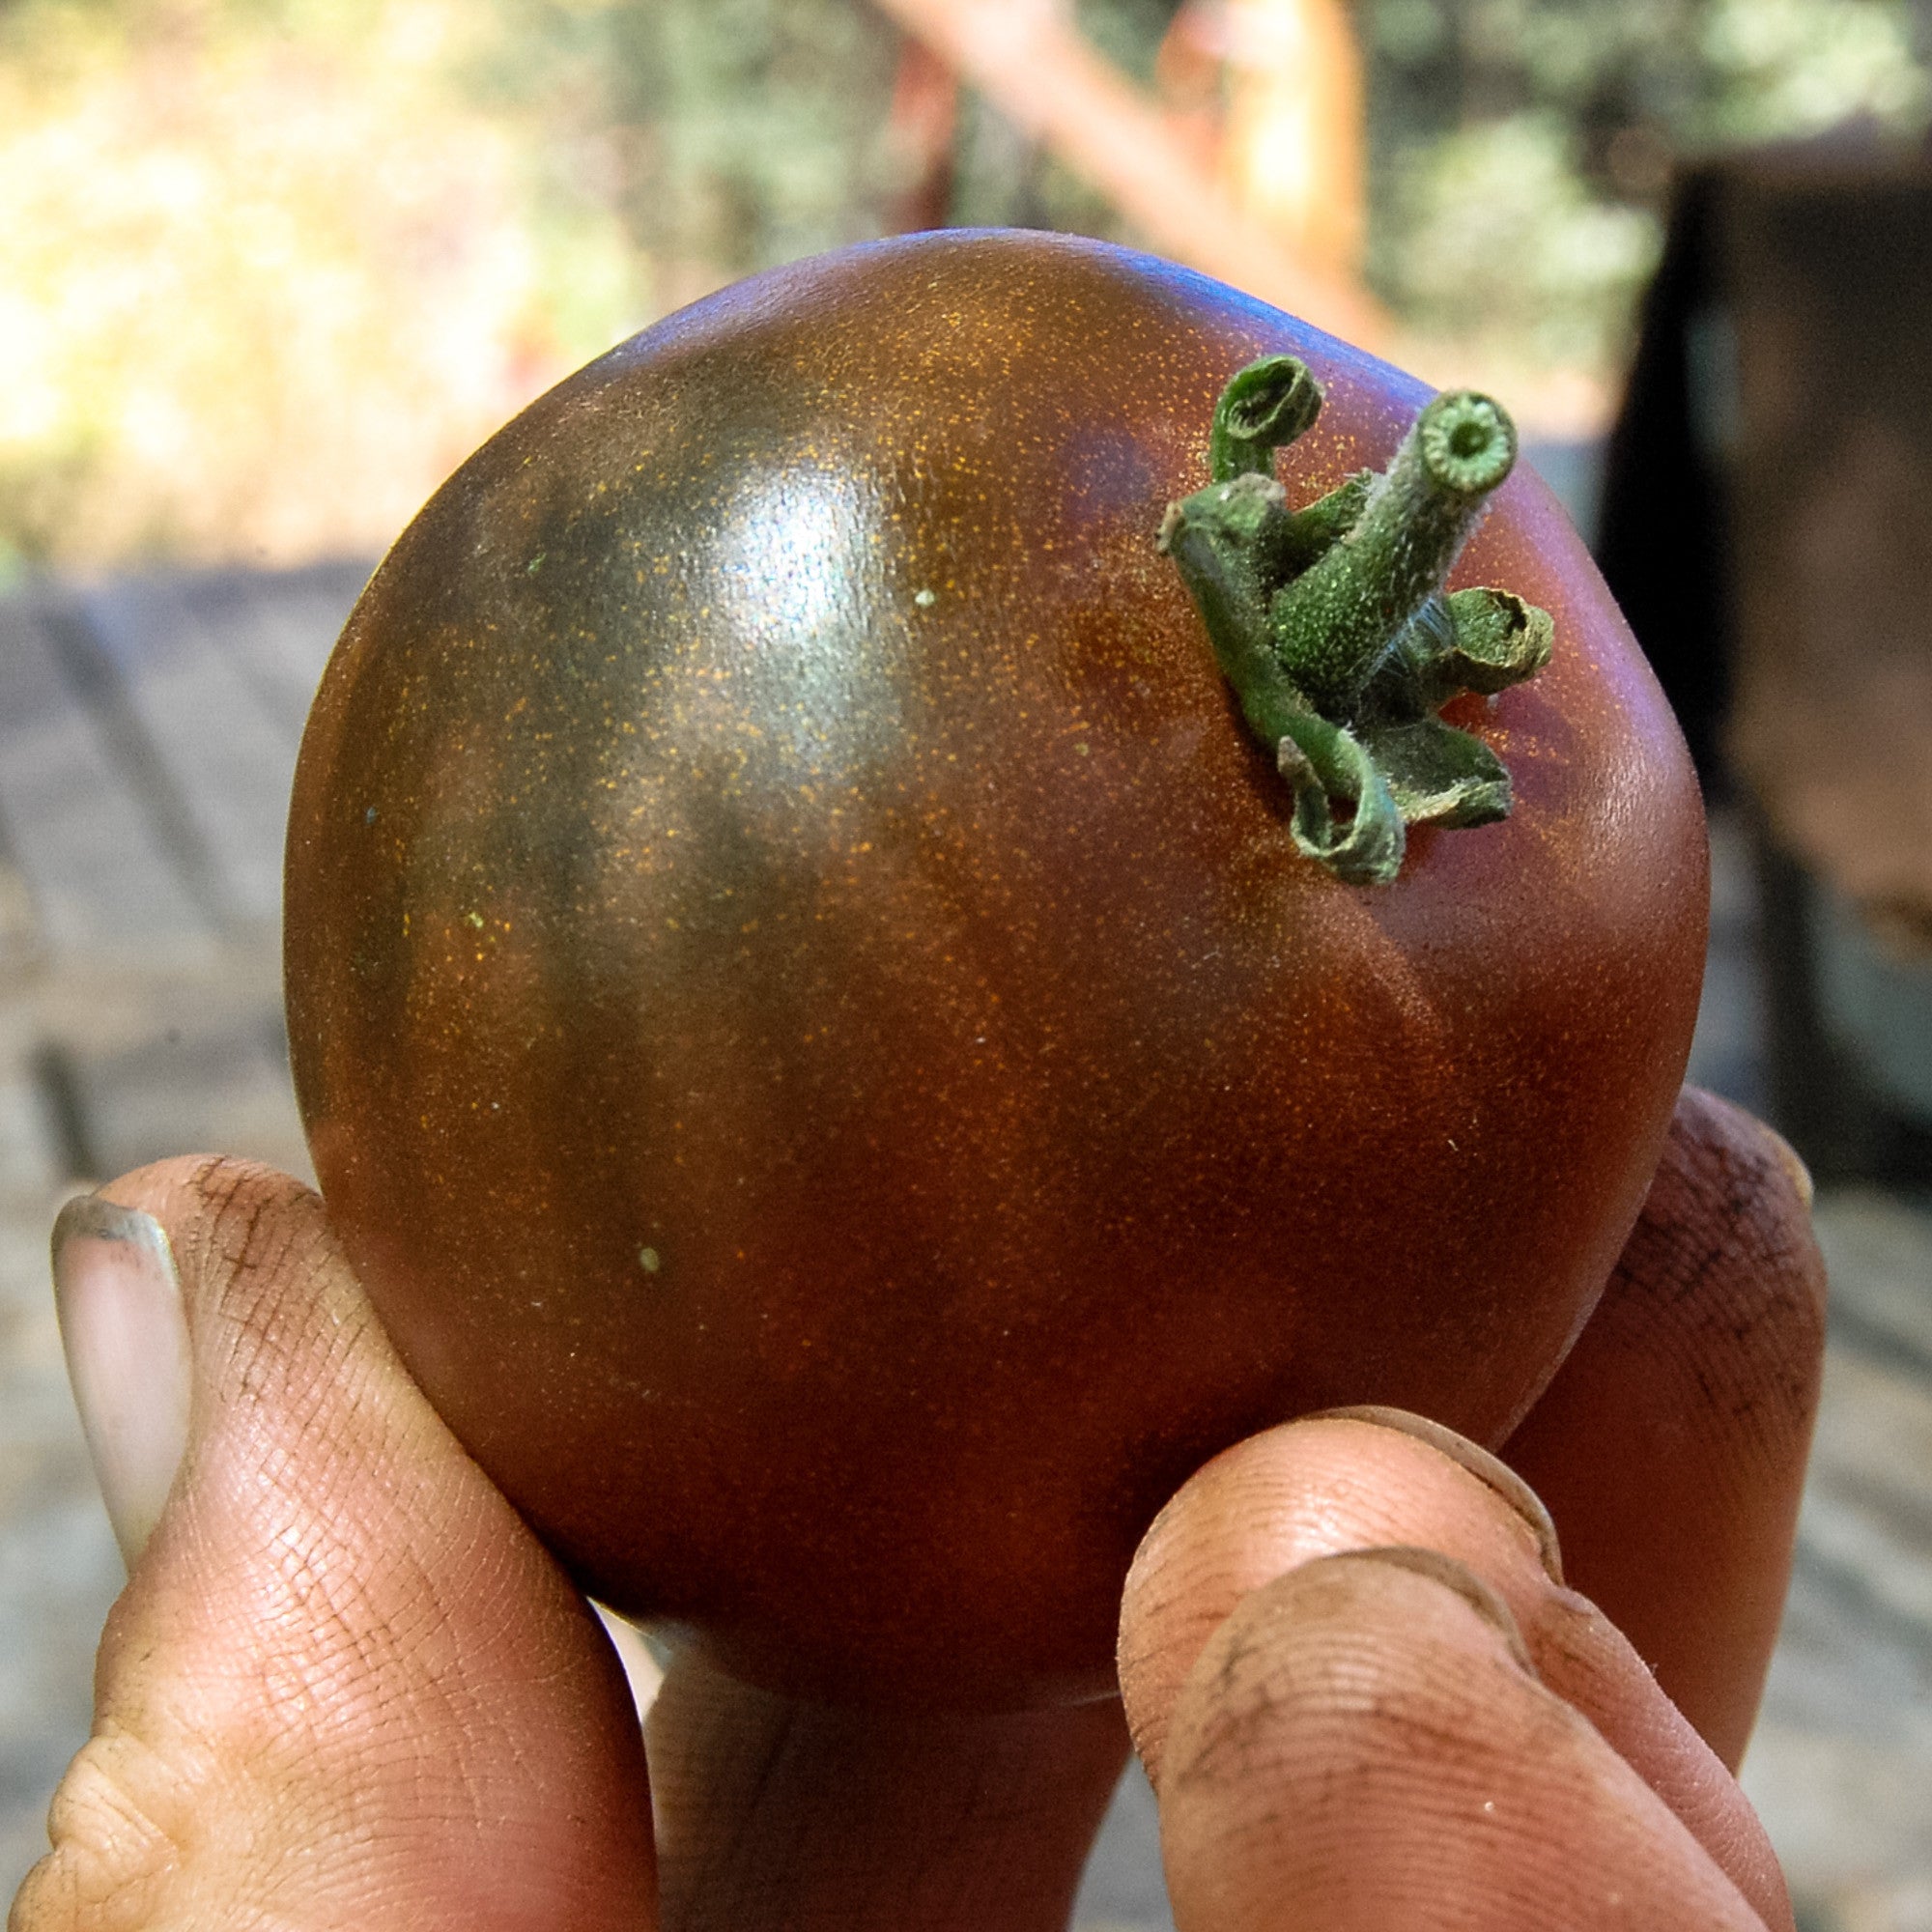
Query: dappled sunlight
(260,294)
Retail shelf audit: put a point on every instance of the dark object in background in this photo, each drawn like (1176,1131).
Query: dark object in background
(1767,525)
(1660,537)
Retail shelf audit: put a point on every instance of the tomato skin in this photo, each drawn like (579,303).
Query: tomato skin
(811,1024)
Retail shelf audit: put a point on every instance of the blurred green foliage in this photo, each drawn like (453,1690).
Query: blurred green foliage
(725,136)
(269,268)
(1522,150)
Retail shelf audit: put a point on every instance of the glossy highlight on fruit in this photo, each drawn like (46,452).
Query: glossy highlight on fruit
(810,1017)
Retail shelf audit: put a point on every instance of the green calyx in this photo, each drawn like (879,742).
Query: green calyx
(1332,625)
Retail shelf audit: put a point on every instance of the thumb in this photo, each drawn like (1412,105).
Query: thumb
(345,1684)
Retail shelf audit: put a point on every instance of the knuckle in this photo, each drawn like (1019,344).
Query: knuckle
(112,1863)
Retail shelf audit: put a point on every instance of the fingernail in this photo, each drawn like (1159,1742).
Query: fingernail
(125,1332)
(1457,1577)
(1473,1457)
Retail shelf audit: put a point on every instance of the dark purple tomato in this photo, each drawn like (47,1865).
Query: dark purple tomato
(813,1023)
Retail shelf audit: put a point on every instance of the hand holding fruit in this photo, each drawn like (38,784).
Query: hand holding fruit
(883,965)
(347,1687)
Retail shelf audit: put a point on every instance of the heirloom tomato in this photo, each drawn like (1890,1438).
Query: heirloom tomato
(814,1014)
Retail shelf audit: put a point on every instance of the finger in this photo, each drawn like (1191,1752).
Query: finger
(1361,1748)
(1671,1446)
(776,1814)
(1367,1479)
(344,1685)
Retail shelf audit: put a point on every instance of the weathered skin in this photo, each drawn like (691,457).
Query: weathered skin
(810,1018)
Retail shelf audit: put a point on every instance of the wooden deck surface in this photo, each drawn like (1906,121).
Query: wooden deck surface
(148,725)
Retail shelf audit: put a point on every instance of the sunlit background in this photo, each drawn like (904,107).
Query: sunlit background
(270,269)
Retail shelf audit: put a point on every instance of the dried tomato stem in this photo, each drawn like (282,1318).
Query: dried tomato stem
(1331,624)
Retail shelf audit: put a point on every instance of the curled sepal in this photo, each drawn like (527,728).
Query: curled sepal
(1437,775)
(1304,534)
(1218,538)
(1264,408)
(1496,640)
(1329,767)
(1482,640)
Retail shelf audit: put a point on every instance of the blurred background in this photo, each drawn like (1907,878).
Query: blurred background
(270,269)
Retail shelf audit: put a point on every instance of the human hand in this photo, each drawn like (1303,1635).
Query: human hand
(1360,1683)
(346,1687)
